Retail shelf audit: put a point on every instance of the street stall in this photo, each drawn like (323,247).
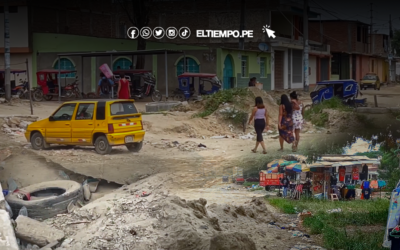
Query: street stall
(331,177)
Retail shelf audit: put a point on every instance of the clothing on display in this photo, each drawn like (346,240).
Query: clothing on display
(364,173)
(333,180)
(374,184)
(342,173)
(355,174)
(351,193)
(381,184)
(366,193)
(365,184)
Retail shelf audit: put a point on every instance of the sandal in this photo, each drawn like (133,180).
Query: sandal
(254,151)
(265,152)
(281,149)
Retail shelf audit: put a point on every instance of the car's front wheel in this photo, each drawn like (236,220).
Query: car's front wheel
(135,147)
(38,142)
(102,146)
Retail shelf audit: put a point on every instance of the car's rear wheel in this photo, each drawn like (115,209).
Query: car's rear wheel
(102,146)
(134,147)
(38,142)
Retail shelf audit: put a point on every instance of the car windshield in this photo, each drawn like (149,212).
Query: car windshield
(123,108)
(369,77)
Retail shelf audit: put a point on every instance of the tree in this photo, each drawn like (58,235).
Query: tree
(138,13)
(396,42)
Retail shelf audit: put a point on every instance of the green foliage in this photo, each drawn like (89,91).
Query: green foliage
(389,169)
(316,113)
(236,116)
(332,226)
(212,102)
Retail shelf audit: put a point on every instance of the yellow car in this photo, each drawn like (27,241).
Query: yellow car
(370,80)
(99,123)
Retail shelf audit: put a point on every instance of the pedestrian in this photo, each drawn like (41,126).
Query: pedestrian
(259,115)
(285,185)
(124,91)
(105,85)
(252,82)
(285,122)
(298,118)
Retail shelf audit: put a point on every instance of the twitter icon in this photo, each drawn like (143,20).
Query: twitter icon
(158,32)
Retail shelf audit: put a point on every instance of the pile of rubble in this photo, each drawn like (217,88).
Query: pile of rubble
(188,146)
(15,126)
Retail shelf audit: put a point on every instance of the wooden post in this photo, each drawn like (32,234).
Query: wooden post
(376,101)
(29,86)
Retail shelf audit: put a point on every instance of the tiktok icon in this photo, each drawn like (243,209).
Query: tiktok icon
(184,32)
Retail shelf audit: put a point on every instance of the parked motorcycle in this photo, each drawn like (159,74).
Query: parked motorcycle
(21,90)
(68,91)
(148,89)
(72,90)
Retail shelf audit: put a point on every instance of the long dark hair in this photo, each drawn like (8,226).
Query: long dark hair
(259,103)
(293,95)
(286,102)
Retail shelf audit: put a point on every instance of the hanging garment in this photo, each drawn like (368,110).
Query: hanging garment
(355,174)
(366,193)
(342,173)
(366,184)
(364,173)
(381,184)
(374,184)
(351,193)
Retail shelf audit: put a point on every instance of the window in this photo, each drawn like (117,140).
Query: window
(365,35)
(191,66)
(66,64)
(65,112)
(122,63)
(123,108)
(358,34)
(85,111)
(244,66)
(101,111)
(263,67)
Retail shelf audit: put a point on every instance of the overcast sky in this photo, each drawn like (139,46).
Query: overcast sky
(360,10)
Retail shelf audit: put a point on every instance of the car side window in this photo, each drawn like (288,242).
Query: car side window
(85,111)
(65,112)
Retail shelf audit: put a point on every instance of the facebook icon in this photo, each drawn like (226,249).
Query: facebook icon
(133,32)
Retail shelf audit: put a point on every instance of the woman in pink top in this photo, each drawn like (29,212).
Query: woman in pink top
(260,116)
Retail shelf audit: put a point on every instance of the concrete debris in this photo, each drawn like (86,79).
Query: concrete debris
(35,232)
(16,125)
(2,100)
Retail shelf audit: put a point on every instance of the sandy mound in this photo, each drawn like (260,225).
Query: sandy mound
(127,218)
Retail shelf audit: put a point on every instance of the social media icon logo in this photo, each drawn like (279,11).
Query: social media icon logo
(158,32)
(172,32)
(133,32)
(184,32)
(146,32)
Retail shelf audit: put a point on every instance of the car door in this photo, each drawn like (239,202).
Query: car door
(83,124)
(58,129)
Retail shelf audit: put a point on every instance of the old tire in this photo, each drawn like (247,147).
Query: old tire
(38,142)
(102,146)
(156,96)
(134,147)
(47,207)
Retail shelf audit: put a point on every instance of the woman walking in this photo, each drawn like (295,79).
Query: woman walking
(124,91)
(260,116)
(298,114)
(285,122)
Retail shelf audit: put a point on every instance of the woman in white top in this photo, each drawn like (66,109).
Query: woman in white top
(298,118)
(260,116)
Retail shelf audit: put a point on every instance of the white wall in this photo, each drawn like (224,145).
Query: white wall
(312,63)
(19,36)
(17,61)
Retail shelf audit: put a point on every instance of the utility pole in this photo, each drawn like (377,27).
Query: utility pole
(306,48)
(7,83)
(390,48)
(370,31)
(242,21)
